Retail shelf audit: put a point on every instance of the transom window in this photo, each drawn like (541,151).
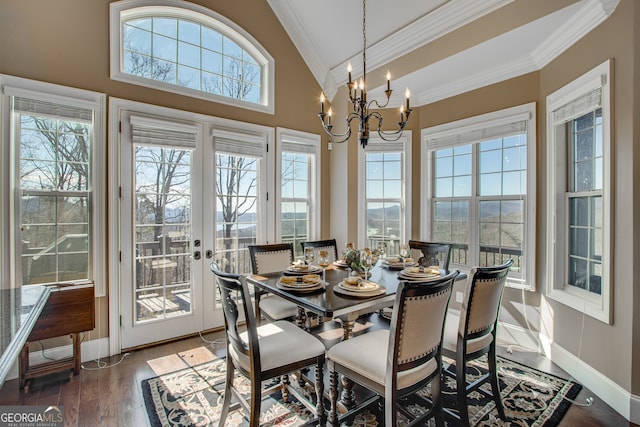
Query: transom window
(184,48)
(478,187)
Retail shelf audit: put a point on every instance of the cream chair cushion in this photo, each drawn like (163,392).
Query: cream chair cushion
(281,343)
(276,307)
(367,355)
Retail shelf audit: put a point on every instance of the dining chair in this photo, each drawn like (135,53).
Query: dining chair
(432,253)
(399,361)
(472,333)
(329,244)
(264,352)
(267,259)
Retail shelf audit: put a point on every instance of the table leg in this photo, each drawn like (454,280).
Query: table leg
(347,397)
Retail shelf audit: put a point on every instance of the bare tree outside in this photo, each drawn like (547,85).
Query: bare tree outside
(54,182)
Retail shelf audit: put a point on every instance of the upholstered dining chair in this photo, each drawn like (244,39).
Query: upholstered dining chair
(329,244)
(472,333)
(398,361)
(267,259)
(432,253)
(265,352)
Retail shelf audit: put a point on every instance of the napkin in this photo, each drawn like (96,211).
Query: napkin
(307,278)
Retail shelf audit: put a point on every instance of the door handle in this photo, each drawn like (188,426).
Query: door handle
(197,255)
(208,254)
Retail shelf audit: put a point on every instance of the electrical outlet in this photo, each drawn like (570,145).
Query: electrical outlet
(459,296)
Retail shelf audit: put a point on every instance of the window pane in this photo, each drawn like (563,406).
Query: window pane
(188,54)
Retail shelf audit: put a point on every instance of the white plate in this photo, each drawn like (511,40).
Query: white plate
(339,290)
(340,263)
(365,286)
(298,285)
(314,287)
(307,269)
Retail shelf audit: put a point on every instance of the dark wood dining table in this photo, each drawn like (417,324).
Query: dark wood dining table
(329,303)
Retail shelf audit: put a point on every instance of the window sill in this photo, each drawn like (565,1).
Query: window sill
(584,302)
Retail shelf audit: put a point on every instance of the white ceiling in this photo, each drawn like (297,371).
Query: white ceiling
(328,35)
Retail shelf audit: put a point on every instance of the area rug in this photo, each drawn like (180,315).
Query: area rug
(192,396)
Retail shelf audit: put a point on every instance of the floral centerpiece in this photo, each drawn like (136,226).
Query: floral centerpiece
(353,257)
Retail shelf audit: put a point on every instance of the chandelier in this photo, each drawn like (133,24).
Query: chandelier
(360,106)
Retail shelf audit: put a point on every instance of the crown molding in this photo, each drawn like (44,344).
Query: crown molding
(477,80)
(443,20)
(592,14)
(285,12)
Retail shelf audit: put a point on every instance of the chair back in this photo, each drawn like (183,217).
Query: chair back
(233,287)
(272,258)
(432,253)
(482,300)
(329,245)
(417,324)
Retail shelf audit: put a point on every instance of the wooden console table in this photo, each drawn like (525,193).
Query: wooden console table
(69,310)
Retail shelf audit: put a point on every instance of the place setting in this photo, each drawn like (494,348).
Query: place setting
(419,273)
(356,286)
(304,283)
(400,261)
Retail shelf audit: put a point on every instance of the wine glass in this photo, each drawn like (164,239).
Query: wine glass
(365,261)
(309,256)
(323,261)
(404,254)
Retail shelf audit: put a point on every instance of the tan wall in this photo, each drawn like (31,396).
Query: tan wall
(66,42)
(606,348)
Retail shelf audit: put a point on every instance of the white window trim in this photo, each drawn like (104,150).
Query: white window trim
(598,307)
(61,95)
(373,146)
(315,205)
(204,16)
(509,115)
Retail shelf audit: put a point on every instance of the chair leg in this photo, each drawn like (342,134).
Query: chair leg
(322,416)
(436,398)
(495,387)
(256,400)
(284,379)
(461,383)
(228,383)
(333,397)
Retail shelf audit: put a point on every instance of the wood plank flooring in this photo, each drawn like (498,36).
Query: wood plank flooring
(112,396)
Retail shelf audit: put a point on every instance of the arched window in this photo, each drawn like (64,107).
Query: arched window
(184,48)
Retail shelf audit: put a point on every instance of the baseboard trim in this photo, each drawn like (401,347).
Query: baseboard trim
(623,402)
(608,391)
(90,350)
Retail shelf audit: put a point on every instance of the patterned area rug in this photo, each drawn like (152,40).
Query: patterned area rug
(191,397)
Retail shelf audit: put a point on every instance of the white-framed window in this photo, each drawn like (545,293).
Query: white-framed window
(298,181)
(56,147)
(579,194)
(384,171)
(181,47)
(479,190)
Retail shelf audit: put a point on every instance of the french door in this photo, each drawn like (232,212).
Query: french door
(192,189)
(166,289)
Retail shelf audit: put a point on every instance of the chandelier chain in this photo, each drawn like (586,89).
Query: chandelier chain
(364,41)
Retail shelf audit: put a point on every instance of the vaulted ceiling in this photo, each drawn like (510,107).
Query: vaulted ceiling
(328,35)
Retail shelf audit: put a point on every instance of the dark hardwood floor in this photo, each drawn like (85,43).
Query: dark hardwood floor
(112,396)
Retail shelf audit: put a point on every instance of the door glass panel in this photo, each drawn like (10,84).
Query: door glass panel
(236,210)
(162,233)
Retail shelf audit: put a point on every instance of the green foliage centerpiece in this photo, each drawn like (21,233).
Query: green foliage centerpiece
(356,259)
